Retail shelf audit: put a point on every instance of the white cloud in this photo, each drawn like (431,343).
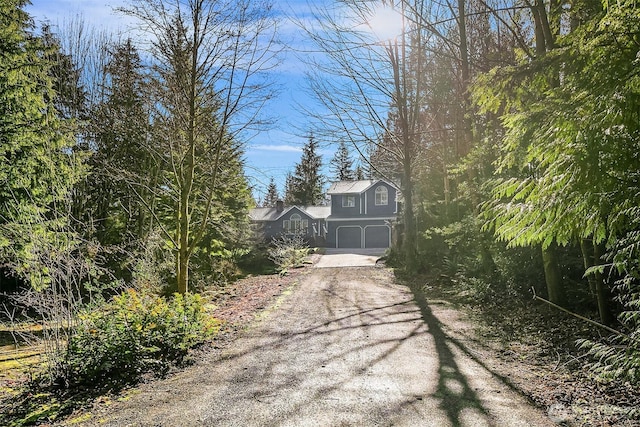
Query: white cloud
(95,13)
(279,148)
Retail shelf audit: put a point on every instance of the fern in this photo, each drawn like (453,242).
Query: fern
(619,357)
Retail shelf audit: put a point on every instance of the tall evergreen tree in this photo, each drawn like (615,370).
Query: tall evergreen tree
(121,186)
(288,190)
(573,136)
(272,194)
(307,181)
(37,168)
(70,97)
(342,164)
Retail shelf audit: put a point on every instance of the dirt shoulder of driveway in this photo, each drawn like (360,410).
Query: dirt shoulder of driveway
(238,306)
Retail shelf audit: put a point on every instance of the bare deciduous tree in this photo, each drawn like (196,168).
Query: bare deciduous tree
(209,61)
(372,86)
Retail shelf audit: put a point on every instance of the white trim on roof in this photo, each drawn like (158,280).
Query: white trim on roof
(362,218)
(357,184)
(284,212)
(374,183)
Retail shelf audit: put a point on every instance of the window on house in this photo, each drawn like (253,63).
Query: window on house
(295,225)
(348,201)
(382,196)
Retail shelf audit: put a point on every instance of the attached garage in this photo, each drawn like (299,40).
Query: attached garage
(377,236)
(349,236)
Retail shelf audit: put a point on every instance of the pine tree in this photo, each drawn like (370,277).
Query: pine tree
(272,195)
(37,167)
(124,169)
(342,164)
(288,190)
(307,182)
(70,97)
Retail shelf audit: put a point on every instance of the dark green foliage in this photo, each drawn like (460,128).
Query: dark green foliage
(288,190)
(618,358)
(483,268)
(226,239)
(129,199)
(272,195)
(70,97)
(568,167)
(578,139)
(256,261)
(116,198)
(306,184)
(37,165)
(342,164)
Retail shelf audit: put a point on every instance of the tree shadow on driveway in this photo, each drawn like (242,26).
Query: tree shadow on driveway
(386,360)
(457,396)
(348,348)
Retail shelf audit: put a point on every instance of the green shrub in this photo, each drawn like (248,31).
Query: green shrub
(617,359)
(133,334)
(257,261)
(288,252)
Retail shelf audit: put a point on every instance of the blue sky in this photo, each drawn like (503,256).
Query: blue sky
(271,153)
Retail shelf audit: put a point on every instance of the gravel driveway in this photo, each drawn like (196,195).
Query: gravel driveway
(349,258)
(347,348)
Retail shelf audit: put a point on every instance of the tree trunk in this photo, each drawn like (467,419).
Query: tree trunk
(183,270)
(602,290)
(464,50)
(410,238)
(187,181)
(597,286)
(447,190)
(587,257)
(183,242)
(549,38)
(552,276)
(541,47)
(398,55)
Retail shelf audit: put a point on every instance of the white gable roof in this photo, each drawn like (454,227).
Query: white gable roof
(317,212)
(272,214)
(353,187)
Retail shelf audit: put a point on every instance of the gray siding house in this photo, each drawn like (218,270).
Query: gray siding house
(360,215)
(309,221)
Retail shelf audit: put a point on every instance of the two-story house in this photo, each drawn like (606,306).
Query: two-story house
(359,216)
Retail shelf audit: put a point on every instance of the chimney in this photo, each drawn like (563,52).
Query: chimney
(279,206)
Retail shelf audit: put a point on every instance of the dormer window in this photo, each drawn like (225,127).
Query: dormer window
(348,201)
(382,196)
